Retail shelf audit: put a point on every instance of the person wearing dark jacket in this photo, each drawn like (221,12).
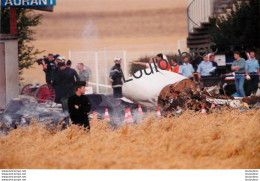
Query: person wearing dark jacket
(70,76)
(79,106)
(50,69)
(116,78)
(59,82)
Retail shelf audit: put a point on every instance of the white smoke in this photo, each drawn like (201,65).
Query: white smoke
(90,35)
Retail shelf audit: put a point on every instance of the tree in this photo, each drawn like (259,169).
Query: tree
(26,18)
(240,28)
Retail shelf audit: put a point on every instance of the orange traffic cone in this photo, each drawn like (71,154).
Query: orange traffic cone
(126,115)
(203,111)
(158,113)
(140,111)
(212,105)
(106,114)
(130,118)
(94,115)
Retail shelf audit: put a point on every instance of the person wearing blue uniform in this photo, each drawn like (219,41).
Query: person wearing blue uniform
(204,69)
(238,66)
(186,69)
(252,69)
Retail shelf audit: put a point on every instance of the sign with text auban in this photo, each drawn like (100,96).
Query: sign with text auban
(27,3)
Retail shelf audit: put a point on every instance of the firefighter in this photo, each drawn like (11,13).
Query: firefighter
(116,77)
(79,106)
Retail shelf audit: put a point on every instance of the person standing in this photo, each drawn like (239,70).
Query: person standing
(79,106)
(204,72)
(252,69)
(204,68)
(175,67)
(84,74)
(59,82)
(215,64)
(238,66)
(71,76)
(186,69)
(116,77)
(50,68)
(161,60)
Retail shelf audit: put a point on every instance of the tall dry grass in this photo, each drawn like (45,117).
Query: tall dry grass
(227,140)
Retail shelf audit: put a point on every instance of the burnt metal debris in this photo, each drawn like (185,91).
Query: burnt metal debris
(22,110)
(173,100)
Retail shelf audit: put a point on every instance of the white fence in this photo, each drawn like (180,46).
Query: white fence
(100,63)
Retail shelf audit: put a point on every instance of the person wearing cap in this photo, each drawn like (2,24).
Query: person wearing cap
(205,67)
(238,66)
(252,70)
(71,76)
(116,78)
(79,106)
(186,69)
(49,68)
(204,70)
(59,59)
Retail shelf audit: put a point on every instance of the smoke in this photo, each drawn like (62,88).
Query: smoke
(21,111)
(90,35)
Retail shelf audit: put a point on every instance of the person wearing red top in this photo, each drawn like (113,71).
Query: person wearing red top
(161,60)
(175,66)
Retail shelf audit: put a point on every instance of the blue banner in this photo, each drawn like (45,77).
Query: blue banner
(26,3)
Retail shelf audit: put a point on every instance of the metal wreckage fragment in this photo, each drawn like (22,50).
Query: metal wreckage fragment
(22,110)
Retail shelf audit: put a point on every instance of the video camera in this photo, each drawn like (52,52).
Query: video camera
(39,61)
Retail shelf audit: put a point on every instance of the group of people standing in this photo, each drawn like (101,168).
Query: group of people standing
(62,77)
(249,70)
(206,69)
(69,84)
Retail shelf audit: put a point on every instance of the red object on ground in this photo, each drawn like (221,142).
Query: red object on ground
(44,93)
(94,115)
(203,111)
(126,115)
(27,90)
(13,23)
(212,105)
(130,118)
(140,111)
(106,114)
(158,113)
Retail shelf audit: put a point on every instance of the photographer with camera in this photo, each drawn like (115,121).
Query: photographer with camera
(49,67)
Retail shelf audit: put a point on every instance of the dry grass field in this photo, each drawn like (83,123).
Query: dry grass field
(93,25)
(227,140)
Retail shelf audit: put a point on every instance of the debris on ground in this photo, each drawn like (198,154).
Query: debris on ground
(20,111)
